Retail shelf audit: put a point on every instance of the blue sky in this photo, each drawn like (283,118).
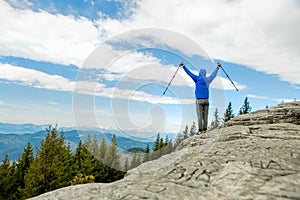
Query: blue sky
(60,61)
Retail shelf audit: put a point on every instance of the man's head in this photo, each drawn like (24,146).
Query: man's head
(202,72)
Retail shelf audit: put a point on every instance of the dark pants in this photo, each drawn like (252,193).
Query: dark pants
(202,113)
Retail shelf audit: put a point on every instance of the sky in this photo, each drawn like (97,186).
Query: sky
(106,63)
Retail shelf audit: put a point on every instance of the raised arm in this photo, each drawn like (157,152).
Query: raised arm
(193,76)
(213,75)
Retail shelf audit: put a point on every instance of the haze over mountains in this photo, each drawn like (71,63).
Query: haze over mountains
(14,138)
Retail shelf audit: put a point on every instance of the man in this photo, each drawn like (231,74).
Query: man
(202,94)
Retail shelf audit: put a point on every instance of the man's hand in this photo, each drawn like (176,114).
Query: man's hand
(219,65)
(181,63)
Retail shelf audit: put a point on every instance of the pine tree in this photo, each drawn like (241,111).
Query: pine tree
(193,129)
(8,180)
(78,158)
(95,147)
(106,174)
(228,113)
(52,167)
(178,139)
(87,168)
(246,108)
(102,149)
(168,147)
(88,162)
(161,144)
(83,160)
(166,142)
(136,161)
(147,155)
(65,163)
(216,120)
(186,132)
(89,144)
(5,179)
(156,144)
(109,169)
(91,154)
(24,162)
(158,147)
(126,165)
(112,157)
(13,187)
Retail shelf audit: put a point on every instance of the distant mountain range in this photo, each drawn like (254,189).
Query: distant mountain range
(14,138)
(21,128)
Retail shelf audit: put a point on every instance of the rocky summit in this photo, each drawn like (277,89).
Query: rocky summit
(254,156)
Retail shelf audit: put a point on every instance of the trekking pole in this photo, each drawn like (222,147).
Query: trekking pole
(228,76)
(171,79)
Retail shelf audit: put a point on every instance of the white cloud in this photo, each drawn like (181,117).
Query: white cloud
(142,96)
(22,4)
(34,78)
(221,83)
(43,36)
(133,60)
(256,96)
(259,34)
(140,67)
(52,102)
(279,100)
(296,87)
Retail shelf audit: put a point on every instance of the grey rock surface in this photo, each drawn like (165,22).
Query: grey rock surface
(255,156)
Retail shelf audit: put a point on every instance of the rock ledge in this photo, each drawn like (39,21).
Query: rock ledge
(255,156)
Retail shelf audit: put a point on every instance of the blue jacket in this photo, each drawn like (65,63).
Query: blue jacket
(202,82)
